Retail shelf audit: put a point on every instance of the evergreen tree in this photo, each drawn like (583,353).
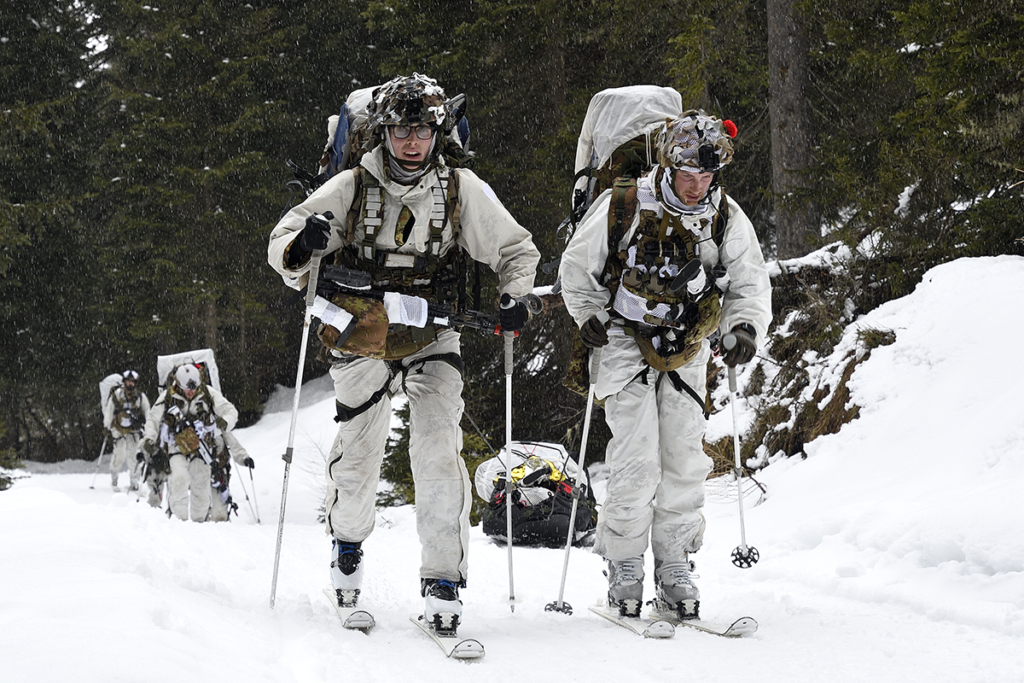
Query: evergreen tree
(207,100)
(923,140)
(46,246)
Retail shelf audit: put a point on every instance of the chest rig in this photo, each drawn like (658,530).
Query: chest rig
(128,416)
(433,276)
(667,325)
(193,433)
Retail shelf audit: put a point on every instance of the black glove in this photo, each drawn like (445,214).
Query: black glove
(139,457)
(739,345)
(316,233)
(248,462)
(514,314)
(593,334)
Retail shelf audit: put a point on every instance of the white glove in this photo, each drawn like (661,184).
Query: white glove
(329,314)
(697,285)
(405,310)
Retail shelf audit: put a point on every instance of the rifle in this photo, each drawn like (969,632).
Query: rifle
(339,278)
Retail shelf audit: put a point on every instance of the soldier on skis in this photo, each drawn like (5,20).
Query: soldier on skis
(185,429)
(124,416)
(404,215)
(621,283)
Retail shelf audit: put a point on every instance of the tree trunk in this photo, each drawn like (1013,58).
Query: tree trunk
(796,215)
(211,325)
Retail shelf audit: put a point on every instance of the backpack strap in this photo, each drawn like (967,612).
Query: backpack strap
(357,202)
(372,199)
(721,221)
(620,211)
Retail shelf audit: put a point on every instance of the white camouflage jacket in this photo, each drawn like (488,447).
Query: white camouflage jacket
(748,299)
(487,231)
(120,427)
(221,416)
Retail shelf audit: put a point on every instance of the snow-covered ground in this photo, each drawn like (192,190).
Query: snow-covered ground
(894,552)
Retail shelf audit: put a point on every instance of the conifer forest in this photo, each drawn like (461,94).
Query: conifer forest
(144,150)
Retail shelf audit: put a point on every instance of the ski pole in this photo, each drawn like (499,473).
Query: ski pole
(98,461)
(314,270)
(246,494)
(560,605)
(254,501)
(509,339)
(743,556)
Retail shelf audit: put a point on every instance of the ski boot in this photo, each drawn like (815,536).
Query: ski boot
(443,606)
(346,571)
(675,590)
(626,585)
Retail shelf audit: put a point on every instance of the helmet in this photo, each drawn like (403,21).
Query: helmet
(188,377)
(130,375)
(695,141)
(409,100)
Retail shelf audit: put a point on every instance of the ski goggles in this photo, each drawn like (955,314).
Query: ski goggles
(402,132)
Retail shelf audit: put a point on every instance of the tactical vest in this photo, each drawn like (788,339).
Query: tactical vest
(433,276)
(188,430)
(127,412)
(667,327)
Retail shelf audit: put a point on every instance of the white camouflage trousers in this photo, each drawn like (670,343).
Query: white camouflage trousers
(189,488)
(656,457)
(434,391)
(125,448)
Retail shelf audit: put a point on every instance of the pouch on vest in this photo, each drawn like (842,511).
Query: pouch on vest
(405,340)
(577,374)
(707,319)
(371,331)
(187,441)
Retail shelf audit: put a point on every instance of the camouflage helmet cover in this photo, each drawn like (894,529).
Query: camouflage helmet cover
(695,141)
(407,100)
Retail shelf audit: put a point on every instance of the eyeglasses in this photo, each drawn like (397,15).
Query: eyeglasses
(422,132)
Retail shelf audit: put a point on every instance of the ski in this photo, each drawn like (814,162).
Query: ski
(744,626)
(353,618)
(648,628)
(453,646)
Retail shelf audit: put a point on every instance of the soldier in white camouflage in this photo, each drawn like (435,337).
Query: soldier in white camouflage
(619,278)
(124,416)
(411,220)
(185,433)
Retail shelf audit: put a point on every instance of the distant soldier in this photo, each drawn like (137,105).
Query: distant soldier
(124,416)
(187,426)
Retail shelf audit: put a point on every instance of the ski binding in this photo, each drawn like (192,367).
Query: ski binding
(648,628)
(353,618)
(453,646)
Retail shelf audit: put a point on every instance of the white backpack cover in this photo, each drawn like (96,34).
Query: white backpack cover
(489,471)
(165,364)
(107,384)
(616,116)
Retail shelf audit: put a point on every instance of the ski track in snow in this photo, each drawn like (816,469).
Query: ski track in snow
(894,552)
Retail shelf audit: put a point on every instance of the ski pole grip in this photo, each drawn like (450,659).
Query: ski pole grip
(509,339)
(729,343)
